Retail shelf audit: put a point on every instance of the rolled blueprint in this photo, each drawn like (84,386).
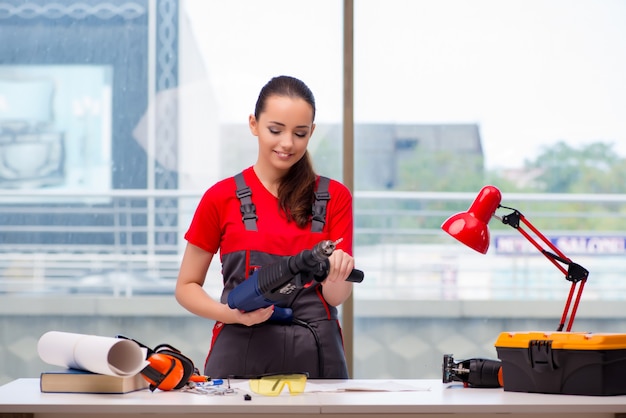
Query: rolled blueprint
(104,355)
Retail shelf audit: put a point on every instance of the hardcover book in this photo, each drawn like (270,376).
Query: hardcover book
(82,381)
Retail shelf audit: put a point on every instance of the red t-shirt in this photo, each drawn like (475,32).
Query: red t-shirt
(217,223)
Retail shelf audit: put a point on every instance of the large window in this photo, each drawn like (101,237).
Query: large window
(116,116)
(233,49)
(523,95)
(454,95)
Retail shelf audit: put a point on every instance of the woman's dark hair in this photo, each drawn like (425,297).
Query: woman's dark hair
(296,192)
(284,86)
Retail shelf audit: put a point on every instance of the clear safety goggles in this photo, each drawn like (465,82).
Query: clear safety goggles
(273,385)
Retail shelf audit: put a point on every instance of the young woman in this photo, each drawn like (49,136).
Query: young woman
(278,223)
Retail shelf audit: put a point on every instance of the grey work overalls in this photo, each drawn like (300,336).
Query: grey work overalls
(311,343)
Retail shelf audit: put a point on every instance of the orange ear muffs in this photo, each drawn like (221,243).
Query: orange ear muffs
(168,368)
(186,363)
(164,372)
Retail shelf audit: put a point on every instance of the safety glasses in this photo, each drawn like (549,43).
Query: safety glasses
(272,385)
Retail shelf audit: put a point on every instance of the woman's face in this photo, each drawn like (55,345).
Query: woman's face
(283,129)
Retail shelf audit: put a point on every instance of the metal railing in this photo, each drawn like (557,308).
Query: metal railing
(129,243)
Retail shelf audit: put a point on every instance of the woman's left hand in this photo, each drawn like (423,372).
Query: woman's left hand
(341,265)
(335,288)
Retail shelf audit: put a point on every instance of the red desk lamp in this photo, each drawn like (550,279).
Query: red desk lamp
(470,228)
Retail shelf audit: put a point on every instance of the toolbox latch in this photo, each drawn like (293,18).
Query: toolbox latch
(540,355)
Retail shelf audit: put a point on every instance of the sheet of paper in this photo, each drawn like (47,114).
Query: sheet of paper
(104,355)
(362,386)
(321,385)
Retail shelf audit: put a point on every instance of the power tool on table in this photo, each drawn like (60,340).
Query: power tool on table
(274,283)
(474,372)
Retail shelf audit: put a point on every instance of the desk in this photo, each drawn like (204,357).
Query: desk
(22,398)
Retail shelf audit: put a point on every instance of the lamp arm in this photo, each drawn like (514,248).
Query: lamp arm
(515,219)
(574,273)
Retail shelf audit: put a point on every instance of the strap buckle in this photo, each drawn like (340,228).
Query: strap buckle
(248,210)
(245,192)
(319,213)
(322,196)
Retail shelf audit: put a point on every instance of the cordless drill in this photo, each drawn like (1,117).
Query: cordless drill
(475,372)
(274,283)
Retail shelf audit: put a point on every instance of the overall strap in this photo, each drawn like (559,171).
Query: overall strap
(248,210)
(319,206)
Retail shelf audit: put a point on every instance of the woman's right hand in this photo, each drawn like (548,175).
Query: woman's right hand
(253,317)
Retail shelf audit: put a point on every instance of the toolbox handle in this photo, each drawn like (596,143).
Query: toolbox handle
(540,356)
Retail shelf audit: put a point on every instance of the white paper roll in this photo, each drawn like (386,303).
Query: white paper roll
(104,355)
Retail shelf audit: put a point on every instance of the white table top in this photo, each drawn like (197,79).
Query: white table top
(429,396)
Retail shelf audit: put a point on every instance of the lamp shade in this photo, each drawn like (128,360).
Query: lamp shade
(470,227)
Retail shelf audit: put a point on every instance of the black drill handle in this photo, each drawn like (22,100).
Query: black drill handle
(355,276)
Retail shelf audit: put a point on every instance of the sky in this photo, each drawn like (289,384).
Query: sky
(528,72)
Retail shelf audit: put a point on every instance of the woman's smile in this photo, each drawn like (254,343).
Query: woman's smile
(283,155)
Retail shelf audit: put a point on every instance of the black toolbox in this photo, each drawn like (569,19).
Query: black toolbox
(563,362)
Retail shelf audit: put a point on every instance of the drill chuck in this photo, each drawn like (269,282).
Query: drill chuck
(312,261)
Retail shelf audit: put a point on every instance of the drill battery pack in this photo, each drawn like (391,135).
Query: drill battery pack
(563,362)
